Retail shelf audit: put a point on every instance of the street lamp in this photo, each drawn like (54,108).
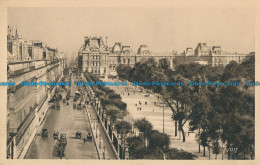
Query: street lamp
(104,153)
(100,140)
(163,114)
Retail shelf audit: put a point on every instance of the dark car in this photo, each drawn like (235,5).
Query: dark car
(56,135)
(52,100)
(44,132)
(78,135)
(89,137)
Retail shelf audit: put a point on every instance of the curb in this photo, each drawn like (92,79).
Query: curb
(86,113)
(104,129)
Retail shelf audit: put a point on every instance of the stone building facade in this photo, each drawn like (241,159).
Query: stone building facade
(97,58)
(124,55)
(27,105)
(207,55)
(93,56)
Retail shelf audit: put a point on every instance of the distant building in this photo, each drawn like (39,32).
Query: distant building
(212,56)
(143,50)
(202,50)
(16,46)
(20,50)
(94,56)
(97,58)
(189,52)
(121,54)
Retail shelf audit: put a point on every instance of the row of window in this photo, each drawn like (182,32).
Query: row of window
(95,58)
(97,70)
(95,63)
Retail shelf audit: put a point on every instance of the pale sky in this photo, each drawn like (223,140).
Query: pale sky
(162,29)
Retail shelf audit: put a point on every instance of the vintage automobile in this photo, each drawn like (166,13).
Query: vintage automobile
(60,97)
(53,106)
(68,97)
(89,137)
(77,94)
(52,100)
(56,135)
(75,99)
(63,139)
(79,106)
(78,135)
(61,149)
(58,106)
(44,132)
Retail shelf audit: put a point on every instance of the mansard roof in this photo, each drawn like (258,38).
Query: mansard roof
(143,48)
(202,47)
(117,47)
(92,43)
(126,48)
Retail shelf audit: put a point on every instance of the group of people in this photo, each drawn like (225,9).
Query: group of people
(140,104)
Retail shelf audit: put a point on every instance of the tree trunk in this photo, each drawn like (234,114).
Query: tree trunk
(204,152)
(181,130)
(199,140)
(183,134)
(216,156)
(209,153)
(228,146)
(176,128)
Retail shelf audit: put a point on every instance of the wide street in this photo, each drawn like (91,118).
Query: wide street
(66,120)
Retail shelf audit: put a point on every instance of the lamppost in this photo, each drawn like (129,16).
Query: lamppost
(104,153)
(100,140)
(163,114)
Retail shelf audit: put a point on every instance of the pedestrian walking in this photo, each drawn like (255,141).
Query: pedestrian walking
(84,139)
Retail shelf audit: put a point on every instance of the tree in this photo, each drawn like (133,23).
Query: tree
(176,154)
(234,116)
(123,127)
(113,114)
(158,140)
(123,71)
(137,149)
(164,64)
(178,98)
(144,126)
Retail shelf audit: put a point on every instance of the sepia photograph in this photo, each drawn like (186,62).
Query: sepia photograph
(130,83)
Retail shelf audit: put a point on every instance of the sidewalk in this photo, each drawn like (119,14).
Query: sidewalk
(102,141)
(31,138)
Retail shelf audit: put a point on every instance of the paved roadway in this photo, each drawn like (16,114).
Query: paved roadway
(69,121)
